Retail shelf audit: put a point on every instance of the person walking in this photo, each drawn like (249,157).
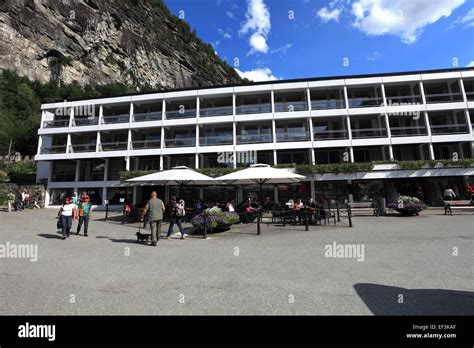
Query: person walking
(154,208)
(36,201)
(66,213)
(10,201)
(26,200)
(448,194)
(75,199)
(83,214)
(177,213)
(18,203)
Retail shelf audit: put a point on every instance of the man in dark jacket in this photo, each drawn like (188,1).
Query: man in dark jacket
(155,208)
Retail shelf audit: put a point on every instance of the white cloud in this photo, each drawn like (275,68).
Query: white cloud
(258,74)
(224,34)
(282,49)
(403,18)
(471,64)
(327,15)
(466,21)
(229,14)
(373,56)
(258,23)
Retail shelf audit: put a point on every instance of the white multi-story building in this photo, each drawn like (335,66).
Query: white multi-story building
(421,115)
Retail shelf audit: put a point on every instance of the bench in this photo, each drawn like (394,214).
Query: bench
(461,204)
(363,207)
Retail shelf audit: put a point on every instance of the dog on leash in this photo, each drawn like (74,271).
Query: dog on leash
(143,237)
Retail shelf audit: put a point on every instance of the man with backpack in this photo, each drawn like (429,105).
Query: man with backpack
(177,213)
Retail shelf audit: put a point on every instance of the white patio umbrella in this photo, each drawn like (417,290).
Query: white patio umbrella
(261,174)
(181,176)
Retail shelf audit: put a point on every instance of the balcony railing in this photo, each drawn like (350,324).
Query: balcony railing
(254,139)
(365,102)
(217,111)
(146,144)
(407,99)
(180,142)
(74,148)
(291,106)
(408,131)
(369,133)
(216,140)
(148,116)
(56,123)
(286,137)
(320,134)
(443,97)
(112,119)
(53,149)
(253,109)
(177,114)
(328,104)
(441,129)
(114,146)
(85,121)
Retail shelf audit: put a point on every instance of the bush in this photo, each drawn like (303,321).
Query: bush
(215,219)
(4,176)
(22,172)
(408,206)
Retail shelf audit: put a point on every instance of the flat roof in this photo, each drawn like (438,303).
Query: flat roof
(398,73)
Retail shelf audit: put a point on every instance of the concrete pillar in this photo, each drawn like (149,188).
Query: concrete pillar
(350,196)
(468,121)
(463,91)
(135,192)
(127,164)
(106,169)
(104,195)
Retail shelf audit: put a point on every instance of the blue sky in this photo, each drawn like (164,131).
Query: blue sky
(286,39)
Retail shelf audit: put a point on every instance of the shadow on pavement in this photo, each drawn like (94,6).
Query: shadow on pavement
(384,300)
(50,236)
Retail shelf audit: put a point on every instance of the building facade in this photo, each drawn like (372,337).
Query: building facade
(423,115)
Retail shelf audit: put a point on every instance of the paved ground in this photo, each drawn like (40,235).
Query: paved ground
(408,268)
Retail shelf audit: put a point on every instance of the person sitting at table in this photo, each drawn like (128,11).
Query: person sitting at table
(199,205)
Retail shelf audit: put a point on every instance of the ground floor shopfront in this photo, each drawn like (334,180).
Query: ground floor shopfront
(428,189)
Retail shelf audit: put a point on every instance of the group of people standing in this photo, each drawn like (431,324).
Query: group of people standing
(20,200)
(75,208)
(153,213)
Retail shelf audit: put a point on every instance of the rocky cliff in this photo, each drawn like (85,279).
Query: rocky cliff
(134,42)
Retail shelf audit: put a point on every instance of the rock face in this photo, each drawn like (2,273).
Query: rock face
(133,42)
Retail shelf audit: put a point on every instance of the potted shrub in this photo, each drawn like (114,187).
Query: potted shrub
(408,206)
(216,219)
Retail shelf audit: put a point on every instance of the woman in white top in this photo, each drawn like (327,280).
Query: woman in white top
(66,213)
(230,206)
(448,194)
